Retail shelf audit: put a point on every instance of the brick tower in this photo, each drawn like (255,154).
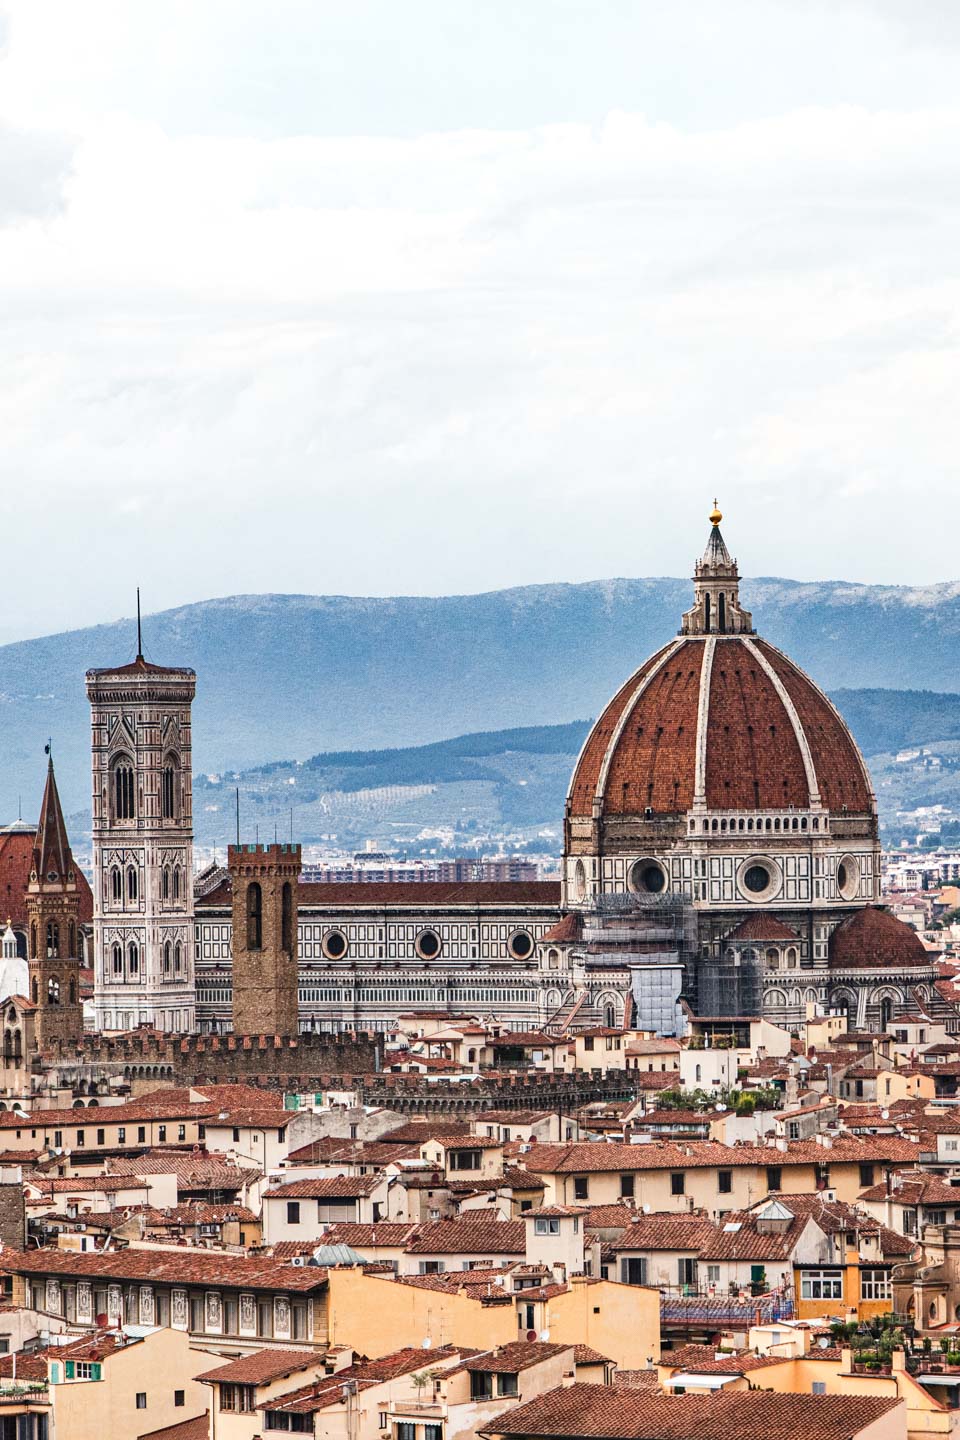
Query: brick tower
(53,916)
(265,975)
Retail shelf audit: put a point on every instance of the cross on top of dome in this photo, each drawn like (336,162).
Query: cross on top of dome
(716,606)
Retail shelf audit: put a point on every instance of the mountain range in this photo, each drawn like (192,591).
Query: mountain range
(294,675)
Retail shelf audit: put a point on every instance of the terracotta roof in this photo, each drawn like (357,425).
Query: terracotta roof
(665,1232)
(874,938)
(329,1389)
(586,1355)
(261,1367)
(515,1356)
(643,749)
(566,931)
(196,1429)
(584,1157)
(347,1187)
(763,927)
(171,1267)
(469,1236)
(600,1412)
(385,1233)
(252,1119)
(430,895)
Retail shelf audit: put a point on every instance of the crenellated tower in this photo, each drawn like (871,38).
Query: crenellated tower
(265,952)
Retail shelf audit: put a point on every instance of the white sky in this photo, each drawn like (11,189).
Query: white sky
(371,297)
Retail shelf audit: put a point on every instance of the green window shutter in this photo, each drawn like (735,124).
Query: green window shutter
(68,1369)
(54,1373)
(96,1370)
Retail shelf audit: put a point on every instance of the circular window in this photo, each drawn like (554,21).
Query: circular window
(759,878)
(580,880)
(756,878)
(848,878)
(647,877)
(335,945)
(428,944)
(520,945)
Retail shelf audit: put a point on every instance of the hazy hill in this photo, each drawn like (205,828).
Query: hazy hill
(289,674)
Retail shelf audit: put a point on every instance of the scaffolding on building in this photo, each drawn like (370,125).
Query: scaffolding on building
(654,938)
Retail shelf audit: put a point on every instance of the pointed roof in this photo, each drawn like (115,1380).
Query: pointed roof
(716,552)
(51,848)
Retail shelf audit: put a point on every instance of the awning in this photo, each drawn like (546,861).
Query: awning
(706,1382)
(938,1379)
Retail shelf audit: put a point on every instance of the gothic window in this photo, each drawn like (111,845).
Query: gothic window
(254,917)
(53,992)
(36,992)
(72,933)
(166,957)
(165,883)
(886,1012)
(117,960)
(773,959)
(116,883)
(124,806)
(53,940)
(132,884)
(34,945)
(134,957)
(73,992)
(168,788)
(286,941)
(791,958)
(176,882)
(178,957)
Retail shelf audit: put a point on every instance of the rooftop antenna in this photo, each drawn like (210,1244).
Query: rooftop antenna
(238,817)
(139,628)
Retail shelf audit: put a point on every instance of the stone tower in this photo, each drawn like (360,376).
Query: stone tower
(53,927)
(143,922)
(265,951)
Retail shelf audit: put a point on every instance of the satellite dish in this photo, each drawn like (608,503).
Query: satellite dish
(824,1343)
(544,1334)
(720,1106)
(884,1114)
(426,1343)
(645,1207)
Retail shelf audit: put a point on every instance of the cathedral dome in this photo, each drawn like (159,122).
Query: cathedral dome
(874,937)
(718,720)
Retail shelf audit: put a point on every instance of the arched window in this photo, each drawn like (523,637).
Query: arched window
(707,610)
(116,884)
(36,992)
(176,882)
(286,918)
(133,957)
(118,960)
(609,1017)
(165,883)
(168,788)
(722,608)
(53,991)
(53,940)
(886,1012)
(167,953)
(178,957)
(34,949)
(254,917)
(773,959)
(698,1075)
(72,935)
(124,806)
(73,992)
(133,885)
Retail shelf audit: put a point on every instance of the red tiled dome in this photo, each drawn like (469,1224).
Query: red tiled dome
(874,937)
(768,737)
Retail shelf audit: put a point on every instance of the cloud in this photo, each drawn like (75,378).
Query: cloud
(468,357)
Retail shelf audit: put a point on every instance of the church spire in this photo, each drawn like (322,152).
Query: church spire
(51,848)
(716,590)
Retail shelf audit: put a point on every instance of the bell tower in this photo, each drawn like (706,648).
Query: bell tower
(142,803)
(53,927)
(265,949)
(716,606)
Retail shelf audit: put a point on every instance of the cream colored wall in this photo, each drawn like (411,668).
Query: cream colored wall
(162,1363)
(258,1144)
(621,1321)
(37,1133)
(557,1251)
(377,1315)
(466,1416)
